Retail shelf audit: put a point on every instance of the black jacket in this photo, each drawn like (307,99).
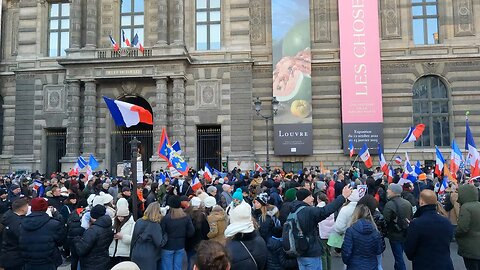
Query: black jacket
(10,255)
(309,217)
(277,259)
(240,258)
(4,206)
(74,229)
(284,211)
(429,236)
(177,230)
(56,201)
(202,228)
(40,237)
(92,247)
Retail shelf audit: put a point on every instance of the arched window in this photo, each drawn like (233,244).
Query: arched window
(430,107)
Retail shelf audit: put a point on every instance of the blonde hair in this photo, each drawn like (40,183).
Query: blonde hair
(362,212)
(153,213)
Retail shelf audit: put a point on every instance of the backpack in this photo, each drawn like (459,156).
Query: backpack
(400,224)
(295,242)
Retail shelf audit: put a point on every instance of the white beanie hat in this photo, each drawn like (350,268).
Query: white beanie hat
(122,207)
(195,202)
(240,220)
(103,198)
(126,266)
(210,201)
(354,197)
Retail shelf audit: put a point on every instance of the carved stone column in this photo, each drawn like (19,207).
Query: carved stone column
(91,27)
(178,23)
(162,22)
(178,118)
(75,24)
(73,126)
(160,111)
(90,118)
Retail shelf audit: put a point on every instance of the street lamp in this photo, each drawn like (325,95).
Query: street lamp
(258,108)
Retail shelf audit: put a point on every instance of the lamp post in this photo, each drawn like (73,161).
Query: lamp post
(258,108)
(133,165)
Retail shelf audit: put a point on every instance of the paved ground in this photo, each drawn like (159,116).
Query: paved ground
(387,260)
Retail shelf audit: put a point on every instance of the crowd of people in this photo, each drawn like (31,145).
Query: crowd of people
(237,220)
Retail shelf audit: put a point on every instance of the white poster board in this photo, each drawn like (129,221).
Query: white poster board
(139,172)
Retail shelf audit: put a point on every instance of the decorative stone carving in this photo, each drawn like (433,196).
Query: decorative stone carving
(54,98)
(322,29)
(208,94)
(129,87)
(430,68)
(463,18)
(257,22)
(391,23)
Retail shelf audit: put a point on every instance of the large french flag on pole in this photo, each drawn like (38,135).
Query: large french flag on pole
(207,173)
(365,156)
(414,133)
(439,162)
(126,114)
(473,156)
(350,148)
(455,159)
(383,162)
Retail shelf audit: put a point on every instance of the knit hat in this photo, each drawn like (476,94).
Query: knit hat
(221,181)
(262,198)
(174,201)
(39,205)
(302,194)
(122,207)
(354,197)
(72,196)
(103,198)
(395,188)
(211,189)
(209,202)
(98,211)
(73,182)
(195,202)
(290,194)
(125,189)
(64,191)
(240,220)
(238,194)
(126,266)
(14,186)
(3,191)
(105,185)
(225,187)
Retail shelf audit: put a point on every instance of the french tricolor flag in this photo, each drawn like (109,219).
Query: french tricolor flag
(365,156)
(114,43)
(126,114)
(350,148)
(414,133)
(259,168)
(443,186)
(398,160)
(383,162)
(473,155)
(455,159)
(196,184)
(207,173)
(439,162)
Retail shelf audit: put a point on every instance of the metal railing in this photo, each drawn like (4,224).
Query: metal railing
(123,53)
(121,147)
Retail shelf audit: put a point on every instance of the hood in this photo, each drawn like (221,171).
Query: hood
(35,221)
(103,221)
(363,226)
(217,215)
(467,193)
(8,217)
(296,204)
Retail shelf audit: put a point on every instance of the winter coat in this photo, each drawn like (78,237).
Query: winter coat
(74,229)
(380,222)
(56,202)
(177,230)
(151,197)
(429,236)
(344,217)
(275,197)
(92,247)
(202,229)
(4,206)
(452,207)
(66,210)
(40,237)
(225,199)
(265,226)
(309,217)
(240,259)
(325,227)
(339,185)
(331,191)
(147,242)
(389,212)
(467,232)
(217,222)
(361,245)
(284,211)
(277,259)
(407,195)
(121,247)
(10,255)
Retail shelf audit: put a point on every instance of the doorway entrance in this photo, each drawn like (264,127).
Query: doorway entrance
(56,149)
(209,146)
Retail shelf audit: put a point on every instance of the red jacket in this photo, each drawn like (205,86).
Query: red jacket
(331,191)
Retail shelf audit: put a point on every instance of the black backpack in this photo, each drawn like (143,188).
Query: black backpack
(295,242)
(400,224)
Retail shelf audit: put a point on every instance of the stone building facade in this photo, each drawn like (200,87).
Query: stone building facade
(187,89)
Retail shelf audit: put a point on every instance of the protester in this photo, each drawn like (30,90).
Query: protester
(362,242)
(325,227)
(148,239)
(4,203)
(344,217)
(152,194)
(277,259)
(217,221)
(92,247)
(10,255)
(70,204)
(178,227)
(202,228)
(429,236)
(246,247)
(123,226)
(467,232)
(265,215)
(211,255)
(40,237)
(74,230)
(290,196)
(397,213)
(226,196)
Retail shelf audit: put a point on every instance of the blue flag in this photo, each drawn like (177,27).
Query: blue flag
(92,162)
(135,40)
(161,178)
(176,147)
(81,162)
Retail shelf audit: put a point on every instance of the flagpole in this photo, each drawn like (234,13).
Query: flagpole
(393,156)
(466,153)
(351,165)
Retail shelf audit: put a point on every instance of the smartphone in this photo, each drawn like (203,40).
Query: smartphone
(352,184)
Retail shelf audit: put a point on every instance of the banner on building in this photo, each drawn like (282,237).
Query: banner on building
(292,81)
(362,115)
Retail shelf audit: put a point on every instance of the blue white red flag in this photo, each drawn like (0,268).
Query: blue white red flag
(81,162)
(259,168)
(455,159)
(114,43)
(350,148)
(414,133)
(408,171)
(473,155)
(125,39)
(126,114)
(40,189)
(196,184)
(217,172)
(439,162)
(398,160)
(365,156)
(418,168)
(207,172)
(444,185)
(390,174)
(383,162)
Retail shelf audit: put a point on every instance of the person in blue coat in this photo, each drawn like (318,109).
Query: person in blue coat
(429,236)
(362,242)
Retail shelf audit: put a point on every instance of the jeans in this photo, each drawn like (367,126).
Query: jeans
(471,264)
(190,258)
(172,259)
(309,263)
(397,250)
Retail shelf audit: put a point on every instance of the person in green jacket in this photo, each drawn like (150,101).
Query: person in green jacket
(468,226)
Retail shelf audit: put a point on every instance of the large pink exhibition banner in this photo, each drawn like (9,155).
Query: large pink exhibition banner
(362,115)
